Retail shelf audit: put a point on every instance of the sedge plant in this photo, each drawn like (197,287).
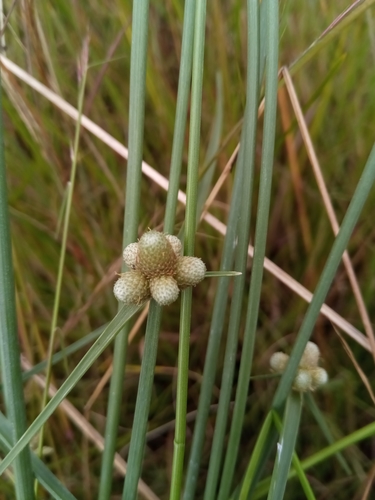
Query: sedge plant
(207,439)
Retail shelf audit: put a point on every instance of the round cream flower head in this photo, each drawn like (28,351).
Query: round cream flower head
(157,270)
(309,375)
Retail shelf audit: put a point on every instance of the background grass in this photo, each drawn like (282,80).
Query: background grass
(335,89)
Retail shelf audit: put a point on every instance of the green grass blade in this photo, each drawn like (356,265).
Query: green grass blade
(319,417)
(45,477)
(259,247)
(213,147)
(255,457)
(315,459)
(153,324)
(92,354)
(215,335)
(346,18)
(10,352)
(247,156)
(285,454)
(341,241)
(64,353)
(131,218)
(285,446)
(181,115)
(66,221)
(142,406)
(189,243)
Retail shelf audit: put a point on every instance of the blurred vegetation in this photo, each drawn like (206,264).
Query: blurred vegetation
(335,89)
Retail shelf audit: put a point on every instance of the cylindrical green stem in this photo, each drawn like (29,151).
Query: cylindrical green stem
(131,218)
(181,115)
(246,157)
(60,273)
(285,446)
(142,406)
(190,227)
(259,248)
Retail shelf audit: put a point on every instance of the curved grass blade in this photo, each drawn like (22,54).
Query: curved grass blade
(92,354)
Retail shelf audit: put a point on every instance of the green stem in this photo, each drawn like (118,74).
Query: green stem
(246,157)
(142,405)
(285,446)
(361,193)
(359,435)
(11,372)
(68,209)
(259,248)
(190,228)
(181,116)
(255,456)
(131,218)
(125,313)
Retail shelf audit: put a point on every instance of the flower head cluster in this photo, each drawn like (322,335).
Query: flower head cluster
(309,375)
(157,270)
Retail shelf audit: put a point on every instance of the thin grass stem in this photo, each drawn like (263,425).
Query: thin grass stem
(359,197)
(247,157)
(60,273)
(189,243)
(153,324)
(142,406)
(255,457)
(181,116)
(131,218)
(259,247)
(285,446)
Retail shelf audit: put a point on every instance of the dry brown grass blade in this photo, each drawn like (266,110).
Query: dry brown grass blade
(105,378)
(152,174)
(294,169)
(88,430)
(76,316)
(223,176)
(370,480)
(361,373)
(328,206)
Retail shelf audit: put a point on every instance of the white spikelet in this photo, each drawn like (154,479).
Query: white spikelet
(189,271)
(130,255)
(175,243)
(310,356)
(131,288)
(278,361)
(164,290)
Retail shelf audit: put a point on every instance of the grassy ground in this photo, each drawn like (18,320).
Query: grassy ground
(335,89)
